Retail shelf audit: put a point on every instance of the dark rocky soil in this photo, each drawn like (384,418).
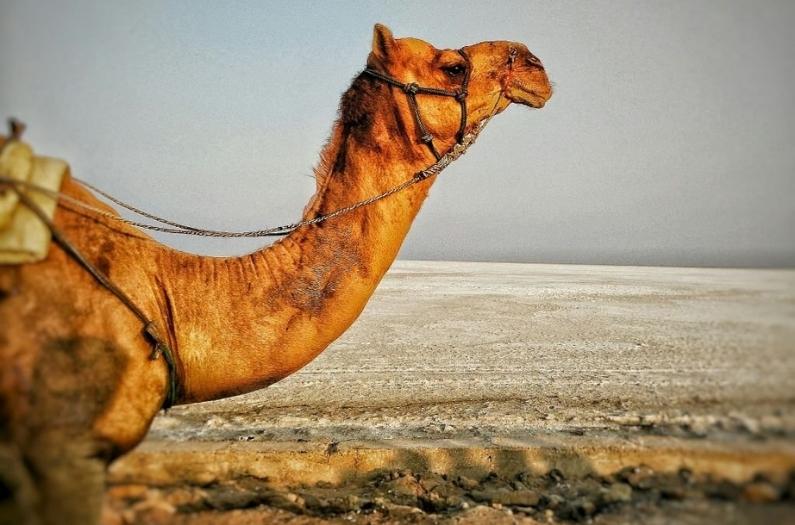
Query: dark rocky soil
(428,498)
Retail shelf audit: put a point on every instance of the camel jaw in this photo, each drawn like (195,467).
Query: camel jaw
(528,96)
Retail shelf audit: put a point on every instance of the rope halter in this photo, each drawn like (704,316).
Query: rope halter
(412,89)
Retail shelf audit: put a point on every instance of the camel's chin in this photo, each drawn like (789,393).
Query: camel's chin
(537,103)
(527,97)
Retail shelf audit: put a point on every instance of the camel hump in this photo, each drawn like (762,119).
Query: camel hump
(24,237)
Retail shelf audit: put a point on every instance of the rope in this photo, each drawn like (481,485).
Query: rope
(445,160)
(160,347)
(133,208)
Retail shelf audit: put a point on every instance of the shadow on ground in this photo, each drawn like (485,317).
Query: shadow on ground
(448,487)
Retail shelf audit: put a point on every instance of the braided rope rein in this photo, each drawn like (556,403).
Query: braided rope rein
(444,161)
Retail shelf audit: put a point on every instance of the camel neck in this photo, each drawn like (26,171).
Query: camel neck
(240,324)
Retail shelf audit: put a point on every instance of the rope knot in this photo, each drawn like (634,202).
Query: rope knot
(461,95)
(411,88)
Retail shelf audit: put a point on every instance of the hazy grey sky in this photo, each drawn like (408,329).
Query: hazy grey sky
(670,140)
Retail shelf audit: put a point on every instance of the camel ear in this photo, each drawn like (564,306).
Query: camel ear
(383,41)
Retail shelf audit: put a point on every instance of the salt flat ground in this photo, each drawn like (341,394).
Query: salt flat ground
(452,350)
(475,393)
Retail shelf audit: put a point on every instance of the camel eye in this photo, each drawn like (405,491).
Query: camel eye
(454,71)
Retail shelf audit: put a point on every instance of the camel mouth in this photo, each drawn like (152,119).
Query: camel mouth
(527,96)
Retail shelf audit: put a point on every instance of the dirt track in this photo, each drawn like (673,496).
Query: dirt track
(578,360)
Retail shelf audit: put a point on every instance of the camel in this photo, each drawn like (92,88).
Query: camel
(77,389)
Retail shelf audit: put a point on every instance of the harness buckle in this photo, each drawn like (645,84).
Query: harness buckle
(461,95)
(411,88)
(427,138)
(150,330)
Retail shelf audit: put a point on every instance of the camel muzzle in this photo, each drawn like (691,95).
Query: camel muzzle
(529,86)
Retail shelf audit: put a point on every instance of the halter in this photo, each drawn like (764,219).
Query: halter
(411,89)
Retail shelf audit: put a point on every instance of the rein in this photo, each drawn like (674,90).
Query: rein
(177,228)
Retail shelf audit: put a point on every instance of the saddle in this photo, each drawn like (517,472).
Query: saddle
(24,238)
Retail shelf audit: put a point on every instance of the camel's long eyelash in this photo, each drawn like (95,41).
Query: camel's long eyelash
(454,70)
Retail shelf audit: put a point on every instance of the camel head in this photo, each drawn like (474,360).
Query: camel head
(493,68)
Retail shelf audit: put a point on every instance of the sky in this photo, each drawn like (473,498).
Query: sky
(670,139)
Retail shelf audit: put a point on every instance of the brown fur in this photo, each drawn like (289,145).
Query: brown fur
(75,374)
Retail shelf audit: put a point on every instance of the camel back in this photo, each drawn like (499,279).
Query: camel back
(24,238)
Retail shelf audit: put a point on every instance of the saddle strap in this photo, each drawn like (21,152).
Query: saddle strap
(150,332)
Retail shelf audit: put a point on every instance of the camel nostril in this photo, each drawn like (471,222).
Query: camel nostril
(532,60)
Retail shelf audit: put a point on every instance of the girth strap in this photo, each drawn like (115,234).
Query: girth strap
(149,330)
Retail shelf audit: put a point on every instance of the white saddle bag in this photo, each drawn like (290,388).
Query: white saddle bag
(24,238)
